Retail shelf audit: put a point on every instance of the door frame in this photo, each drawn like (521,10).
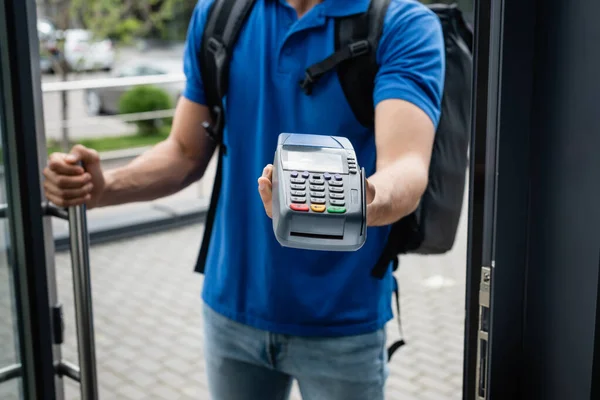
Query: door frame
(31,239)
(504,64)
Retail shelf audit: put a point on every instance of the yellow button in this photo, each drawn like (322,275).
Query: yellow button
(317,207)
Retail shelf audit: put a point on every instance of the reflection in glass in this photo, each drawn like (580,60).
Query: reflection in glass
(9,345)
(466,6)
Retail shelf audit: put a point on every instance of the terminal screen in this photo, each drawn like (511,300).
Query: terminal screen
(311,161)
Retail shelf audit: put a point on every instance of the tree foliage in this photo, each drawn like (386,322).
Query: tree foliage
(125,20)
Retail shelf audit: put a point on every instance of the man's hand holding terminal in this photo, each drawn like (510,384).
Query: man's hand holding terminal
(265,189)
(404,139)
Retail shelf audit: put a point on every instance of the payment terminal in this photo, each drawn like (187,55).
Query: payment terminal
(319,195)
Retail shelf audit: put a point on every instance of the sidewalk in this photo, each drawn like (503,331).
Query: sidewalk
(148,322)
(147,306)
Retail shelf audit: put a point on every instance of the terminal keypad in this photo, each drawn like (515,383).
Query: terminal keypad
(325,191)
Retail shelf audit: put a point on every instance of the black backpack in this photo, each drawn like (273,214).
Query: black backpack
(431,229)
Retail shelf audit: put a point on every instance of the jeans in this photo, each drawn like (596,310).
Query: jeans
(244,363)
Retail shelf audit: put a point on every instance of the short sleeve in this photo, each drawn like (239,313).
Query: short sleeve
(411,56)
(194,88)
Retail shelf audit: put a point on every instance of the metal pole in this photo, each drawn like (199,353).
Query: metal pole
(83,302)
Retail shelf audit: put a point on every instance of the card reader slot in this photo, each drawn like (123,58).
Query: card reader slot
(317,236)
(316,225)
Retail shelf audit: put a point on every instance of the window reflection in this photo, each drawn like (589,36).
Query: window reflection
(9,344)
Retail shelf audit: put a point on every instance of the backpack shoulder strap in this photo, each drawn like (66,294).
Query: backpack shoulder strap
(356,40)
(357,78)
(225,21)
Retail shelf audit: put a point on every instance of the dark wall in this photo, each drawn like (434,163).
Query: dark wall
(561,313)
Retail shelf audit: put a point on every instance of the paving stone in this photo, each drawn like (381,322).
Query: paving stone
(139,378)
(437,385)
(132,392)
(429,394)
(166,393)
(404,386)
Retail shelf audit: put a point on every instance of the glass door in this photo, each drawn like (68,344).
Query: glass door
(10,360)
(31,366)
(30,327)
(26,348)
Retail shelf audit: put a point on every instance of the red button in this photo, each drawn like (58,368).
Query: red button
(299,207)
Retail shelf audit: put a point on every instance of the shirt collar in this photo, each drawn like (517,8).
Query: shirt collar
(342,8)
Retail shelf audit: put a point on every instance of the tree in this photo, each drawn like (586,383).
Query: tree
(126,20)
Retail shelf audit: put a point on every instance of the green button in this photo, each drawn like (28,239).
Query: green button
(336,210)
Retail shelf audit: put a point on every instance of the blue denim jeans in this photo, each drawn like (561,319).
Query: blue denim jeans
(243,363)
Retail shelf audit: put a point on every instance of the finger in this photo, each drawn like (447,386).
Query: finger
(83,154)
(67,203)
(268,172)
(68,194)
(264,186)
(371,192)
(60,164)
(66,181)
(264,189)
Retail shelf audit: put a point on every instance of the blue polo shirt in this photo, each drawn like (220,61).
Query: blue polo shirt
(249,277)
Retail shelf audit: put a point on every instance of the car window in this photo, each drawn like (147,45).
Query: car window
(147,71)
(127,72)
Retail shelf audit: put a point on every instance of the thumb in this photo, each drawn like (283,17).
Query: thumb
(80,153)
(371,191)
(89,158)
(266,195)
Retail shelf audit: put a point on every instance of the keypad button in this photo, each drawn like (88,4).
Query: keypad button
(338,177)
(327,176)
(299,207)
(294,174)
(317,194)
(316,176)
(337,202)
(314,200)
(298,193)
(305,174)
(298,199)
(317,208)
(335,183)
(334,189)
(353,171)
(351,158)
(317,182)
(351,162)
(297,186)
(317,188)
(298,180)
(336,210)
(338,196)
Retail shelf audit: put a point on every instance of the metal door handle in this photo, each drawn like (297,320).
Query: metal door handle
(84,316)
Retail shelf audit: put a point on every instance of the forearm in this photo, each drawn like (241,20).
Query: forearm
(399,186)
(160,172)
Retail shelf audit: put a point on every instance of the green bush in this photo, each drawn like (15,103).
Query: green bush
(143,99)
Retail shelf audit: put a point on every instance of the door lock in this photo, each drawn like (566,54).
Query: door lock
(483,332)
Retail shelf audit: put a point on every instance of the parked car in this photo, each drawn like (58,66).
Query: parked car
(47,38)
(106,100)
(84,53)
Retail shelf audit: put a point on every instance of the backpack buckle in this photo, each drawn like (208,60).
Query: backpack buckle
(215,46)
(359,48)
(214,131)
